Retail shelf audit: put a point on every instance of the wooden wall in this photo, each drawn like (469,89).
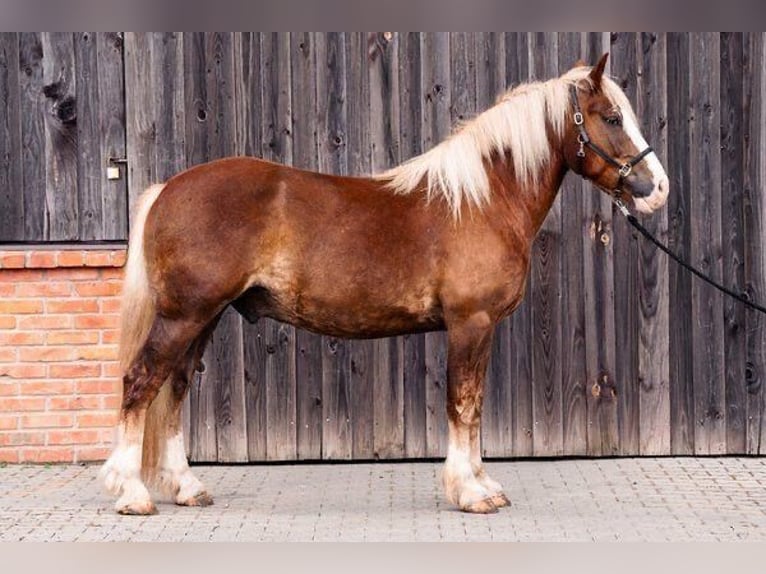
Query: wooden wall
(614,352)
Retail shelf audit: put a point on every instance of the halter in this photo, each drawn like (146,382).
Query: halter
(623,169)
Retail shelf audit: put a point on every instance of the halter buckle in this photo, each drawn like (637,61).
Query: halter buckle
(581,141)
(625,170)
(578,118)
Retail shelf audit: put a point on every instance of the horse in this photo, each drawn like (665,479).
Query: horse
(440,242)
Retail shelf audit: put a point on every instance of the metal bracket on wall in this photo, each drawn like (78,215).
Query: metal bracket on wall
(113,169)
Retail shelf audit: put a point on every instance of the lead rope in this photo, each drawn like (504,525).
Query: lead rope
(645,232)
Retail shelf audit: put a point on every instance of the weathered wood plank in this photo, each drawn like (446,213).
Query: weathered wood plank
(361,355)
(624,66)
(708,367)
(755,236)
(11,174)
(337,436)
(679,281)
(573,371)
(32,136)
(309,346)
(653,336)
(497,434)
(732,226)
(276,356)
(111,122)
(61,144)
(410,145)
(139,115)
(388,389)
(598,274)
(546,286)
(435,78)
(522,422)
(89,164)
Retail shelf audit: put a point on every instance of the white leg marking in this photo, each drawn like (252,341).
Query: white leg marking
(121,473)
(460,484)
(176,473)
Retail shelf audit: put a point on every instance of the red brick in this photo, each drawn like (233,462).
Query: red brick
(98,258)
(12,260)
(37,421)
(70,258)
(9,389)
(21,275)
(78,274)
(72,306)
(7,322)
(97,353)
(74,370)
(96,321)
(98,288)
(46,322)
(112,370)
(61,454)
(110,336)
(112,273)
(9,455)
(47,289)
(41,259)
(9,422)
(21,404)
(110,304)
(46,387)
(24,438)
(75,403)
(16,338)
(22,370)
(112,402)
(100,387)
(92,453)
(46,354)
(119,257)
(7,289)
(73,437)
(72,337)
(21,306)
(87,420)
(7,355)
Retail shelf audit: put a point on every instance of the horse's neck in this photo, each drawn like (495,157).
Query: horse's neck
(533,200)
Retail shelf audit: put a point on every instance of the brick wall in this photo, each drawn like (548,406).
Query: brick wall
(59,378)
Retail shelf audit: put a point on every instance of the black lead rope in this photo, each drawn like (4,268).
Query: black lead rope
(645,232)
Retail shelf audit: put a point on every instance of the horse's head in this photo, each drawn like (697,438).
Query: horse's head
(603,143)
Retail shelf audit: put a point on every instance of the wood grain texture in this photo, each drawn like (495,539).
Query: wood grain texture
(733,240)
(598,274)
(624,65)
(754,92)
(546,286)
(679,281)
(708,367)
(11,182)
(653,335)
(573,365)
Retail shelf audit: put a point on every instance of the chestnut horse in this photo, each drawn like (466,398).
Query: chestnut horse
(441,242)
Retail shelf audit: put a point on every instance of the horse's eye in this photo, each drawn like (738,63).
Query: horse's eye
(613,120)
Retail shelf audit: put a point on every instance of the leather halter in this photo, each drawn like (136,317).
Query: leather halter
(623,169)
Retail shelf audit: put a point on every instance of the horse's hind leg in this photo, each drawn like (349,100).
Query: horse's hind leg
(175,476)
(465,481)
(168,341)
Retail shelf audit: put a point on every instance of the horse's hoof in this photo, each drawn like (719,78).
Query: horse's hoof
(137,509)
(201,499)
(500,500)
(484,506)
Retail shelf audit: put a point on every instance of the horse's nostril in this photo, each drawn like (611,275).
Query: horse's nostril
(664,186)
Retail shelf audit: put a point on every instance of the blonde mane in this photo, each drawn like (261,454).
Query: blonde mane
(454,169)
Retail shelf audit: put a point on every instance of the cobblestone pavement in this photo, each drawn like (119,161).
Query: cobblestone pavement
(650,499)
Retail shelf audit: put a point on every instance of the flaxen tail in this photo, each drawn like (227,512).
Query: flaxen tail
(137,313)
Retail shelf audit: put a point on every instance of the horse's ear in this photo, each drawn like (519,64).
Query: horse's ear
(598,71)
(580,63)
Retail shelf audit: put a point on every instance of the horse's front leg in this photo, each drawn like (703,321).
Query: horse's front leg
(465,482)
